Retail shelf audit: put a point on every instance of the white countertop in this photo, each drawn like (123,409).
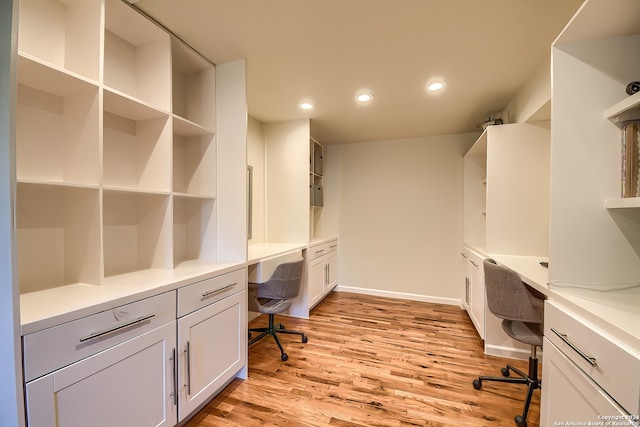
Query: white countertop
(47,308)
(44,309)
(529,269)
(614,312)
(259,251)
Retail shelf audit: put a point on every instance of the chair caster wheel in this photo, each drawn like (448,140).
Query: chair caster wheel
(520,422)
(284,357)
(304,339)
(505,372)
(477,384)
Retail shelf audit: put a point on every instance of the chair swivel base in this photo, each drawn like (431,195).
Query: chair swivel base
(274,329)
(531,381)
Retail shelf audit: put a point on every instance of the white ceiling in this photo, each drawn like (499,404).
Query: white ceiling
(327,50)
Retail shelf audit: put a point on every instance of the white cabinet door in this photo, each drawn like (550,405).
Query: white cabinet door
(331,271)
(213,348)
(569,395)
(316,280)
(130,384)
(477,301)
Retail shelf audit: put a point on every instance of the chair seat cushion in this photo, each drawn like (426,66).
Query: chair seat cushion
(528,333)
(272,306)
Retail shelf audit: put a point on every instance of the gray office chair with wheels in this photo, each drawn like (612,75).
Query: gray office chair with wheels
(522,310)
(275,296)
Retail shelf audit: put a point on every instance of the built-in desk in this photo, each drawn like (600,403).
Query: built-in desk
(496,342)
(259,251)
(529,269)
(614,310)
(262,258)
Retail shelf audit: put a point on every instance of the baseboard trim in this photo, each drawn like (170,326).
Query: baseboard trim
(400,295)
(509,352)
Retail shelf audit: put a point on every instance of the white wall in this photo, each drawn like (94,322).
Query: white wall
(11,399)
(400,216)
(532,103)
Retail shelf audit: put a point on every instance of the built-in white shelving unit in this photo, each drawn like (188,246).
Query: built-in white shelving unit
(125,219)
(592,226)
(594,251)
(116,146)
(506,190)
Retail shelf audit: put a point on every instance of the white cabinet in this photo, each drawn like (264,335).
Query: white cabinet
(474,300)
(322,270)
(114,368)
(590,244)
(570,395)
(316,171)
(506,210)
(586,369)
(506,190)
(594,241)
(212,340)
(316,279)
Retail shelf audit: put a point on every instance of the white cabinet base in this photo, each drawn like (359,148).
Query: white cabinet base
(129,384)
(569,395)
(213,348)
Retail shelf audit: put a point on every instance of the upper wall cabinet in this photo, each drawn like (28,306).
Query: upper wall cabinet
(316,171)
(594,59)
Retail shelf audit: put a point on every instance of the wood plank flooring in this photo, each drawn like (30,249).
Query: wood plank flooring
(371,361)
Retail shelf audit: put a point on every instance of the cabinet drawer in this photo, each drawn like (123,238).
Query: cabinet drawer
(201,294)
(474,259)
(322,249)
(51,349)
(609,363)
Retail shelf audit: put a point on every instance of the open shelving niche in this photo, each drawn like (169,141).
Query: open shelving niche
(67,36)
(475,183)
(618,114)
(116,168)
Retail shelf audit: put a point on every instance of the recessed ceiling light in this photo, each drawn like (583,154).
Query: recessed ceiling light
(435,86)
(364,97)
(306,105)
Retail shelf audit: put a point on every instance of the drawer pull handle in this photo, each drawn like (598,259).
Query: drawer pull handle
(116,328)
(474,263)
(319,252)
(333,246)
(187,352)
(174,362)
(465,256)
(563,337)
(217,291)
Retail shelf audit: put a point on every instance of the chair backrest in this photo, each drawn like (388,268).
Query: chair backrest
(284,283)
(508,297)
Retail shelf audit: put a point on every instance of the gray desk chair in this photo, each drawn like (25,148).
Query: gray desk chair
(522,311)
(275,296)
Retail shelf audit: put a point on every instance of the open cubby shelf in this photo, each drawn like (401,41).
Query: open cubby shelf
(67,34)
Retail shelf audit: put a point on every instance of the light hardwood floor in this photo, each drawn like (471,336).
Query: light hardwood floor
(371,361)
